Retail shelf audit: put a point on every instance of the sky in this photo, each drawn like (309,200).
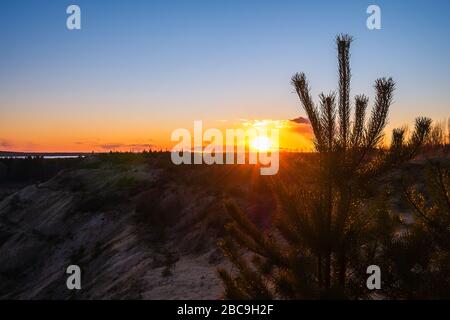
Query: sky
(137,70)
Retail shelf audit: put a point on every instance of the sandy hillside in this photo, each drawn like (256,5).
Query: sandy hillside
(137,231)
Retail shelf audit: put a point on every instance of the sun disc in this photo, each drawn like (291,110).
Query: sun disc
(261,144)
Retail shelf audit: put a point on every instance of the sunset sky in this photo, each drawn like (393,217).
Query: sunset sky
(137,70)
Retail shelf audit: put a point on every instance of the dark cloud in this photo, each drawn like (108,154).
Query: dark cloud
(301,125)
(300,120)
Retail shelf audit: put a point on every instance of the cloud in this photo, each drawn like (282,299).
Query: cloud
(140,145)
(301,125)
(301,120)
(5,143)
(114,146)
(110,146)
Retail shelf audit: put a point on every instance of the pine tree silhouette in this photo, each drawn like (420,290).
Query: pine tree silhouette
(320,229)
(419,259)
(434,216)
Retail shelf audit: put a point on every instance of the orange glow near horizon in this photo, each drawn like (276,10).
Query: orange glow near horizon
(59,137)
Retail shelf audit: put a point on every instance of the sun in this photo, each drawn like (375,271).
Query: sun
(261,144)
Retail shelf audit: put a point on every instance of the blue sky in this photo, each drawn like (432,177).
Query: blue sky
(165,63)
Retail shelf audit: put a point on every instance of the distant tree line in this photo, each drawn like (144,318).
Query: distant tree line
(32,168)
